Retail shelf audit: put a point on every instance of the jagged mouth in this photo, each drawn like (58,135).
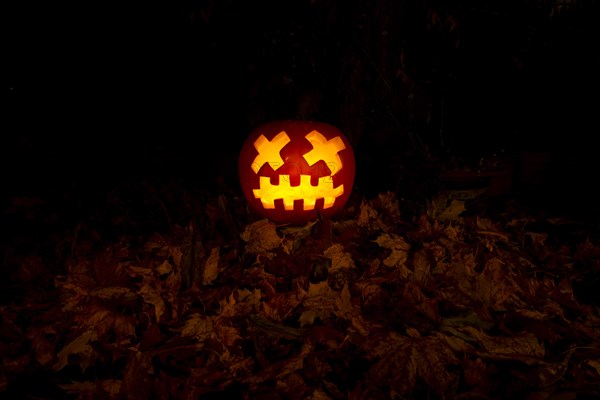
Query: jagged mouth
(309,194)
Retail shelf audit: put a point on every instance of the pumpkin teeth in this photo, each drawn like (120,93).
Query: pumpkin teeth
(268,193)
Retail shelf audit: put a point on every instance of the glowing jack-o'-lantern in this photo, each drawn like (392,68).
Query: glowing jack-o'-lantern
(291,171)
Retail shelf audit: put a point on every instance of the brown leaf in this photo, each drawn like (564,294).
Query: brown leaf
(281,369)
(294,236)
(240,302)
(552,372)
(344,308)
(479,374)
(453,211)
(279,306)
(198,326)
(294,387)
(82,389)
(308,317)
(368,217)
(44,350)
(399,361)
(80,350)
(318,302)
(414,299)
(324,335)
(398,255)
(211,267)
(229,336)
(261,236)
(340,260)
(153,297)
(388,203)
(525,347)
(421,267)
(496,286)
(137,379)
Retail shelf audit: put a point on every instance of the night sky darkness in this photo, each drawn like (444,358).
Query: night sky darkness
(104,90)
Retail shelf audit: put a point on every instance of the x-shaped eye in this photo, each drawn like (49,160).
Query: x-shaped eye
(268,151)
(326,150)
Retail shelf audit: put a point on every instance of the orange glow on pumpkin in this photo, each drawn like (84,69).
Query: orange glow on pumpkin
(292,170)
(323,149)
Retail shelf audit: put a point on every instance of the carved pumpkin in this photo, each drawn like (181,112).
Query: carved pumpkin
(291,171)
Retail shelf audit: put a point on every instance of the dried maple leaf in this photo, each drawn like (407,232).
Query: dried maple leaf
(294,236)
(550,373)
(340,259)
(72,292)
(198,326)
(392,241)
(281,369)
(589,327)
(153,297)
(293,387)
(414,302)
(318,302)
(400,361)
(350,312)
(101,388)
(370,220)
(261,236)
(398,255)
(138,377)
(373,296)
(479,374)
(421,267)
(390,207)
(228,335)
(525,347)
(106,323)
(453,211)
(82,389)
(240,302)
(437,204)
(79,349)
(211,267)
(454,231)
(279,306)
(496,286)
(319,394)
(368,215)
(308,317)
(44,348)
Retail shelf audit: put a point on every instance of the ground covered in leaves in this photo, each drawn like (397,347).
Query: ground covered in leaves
(160,292)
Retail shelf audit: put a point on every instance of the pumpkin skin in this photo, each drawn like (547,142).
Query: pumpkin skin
(292,171)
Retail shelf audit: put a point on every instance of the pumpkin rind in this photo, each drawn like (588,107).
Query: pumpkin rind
(291,171)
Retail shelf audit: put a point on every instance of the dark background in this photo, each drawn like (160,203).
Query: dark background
(101,91)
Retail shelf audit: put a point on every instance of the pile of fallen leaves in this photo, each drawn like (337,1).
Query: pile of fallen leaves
(207,301)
